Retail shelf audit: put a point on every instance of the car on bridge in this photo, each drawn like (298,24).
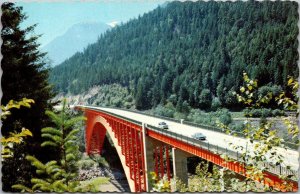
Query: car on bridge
(199,136)
(163,125)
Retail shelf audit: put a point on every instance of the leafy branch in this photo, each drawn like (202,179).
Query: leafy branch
(14,137)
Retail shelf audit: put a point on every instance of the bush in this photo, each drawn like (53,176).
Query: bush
(200,117)
(164,111)
(224,116)
(179,115)
(266,112)
(278,112)
(129,99)
(185,107)
(215,104)
(237,127)
(246,112)
(86,164)
(255,113)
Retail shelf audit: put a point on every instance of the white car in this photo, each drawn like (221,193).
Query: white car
(163,125)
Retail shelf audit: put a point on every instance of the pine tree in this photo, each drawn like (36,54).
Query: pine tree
(24,76)
(60,175)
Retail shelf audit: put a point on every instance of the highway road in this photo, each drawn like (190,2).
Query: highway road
(290,157)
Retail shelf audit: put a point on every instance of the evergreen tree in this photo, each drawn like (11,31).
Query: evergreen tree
(58,175)
(186,47)
(24,76)
(205,99)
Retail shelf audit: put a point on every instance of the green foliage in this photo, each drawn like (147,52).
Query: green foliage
(7,143)
(192,115)
(264,144)
(164,111)
(225,116)
(93,184)
(86,162)
(192,50)
(206,179)
(25,76)
(263,112)
(57,176)
(210,118)
(205,99)
(162,185)
(215,104)
(112,95)
(238,127)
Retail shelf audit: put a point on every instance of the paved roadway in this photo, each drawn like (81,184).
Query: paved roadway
(290,157)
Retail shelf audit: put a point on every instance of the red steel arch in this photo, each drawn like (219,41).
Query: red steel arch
(96,139)
(128,140)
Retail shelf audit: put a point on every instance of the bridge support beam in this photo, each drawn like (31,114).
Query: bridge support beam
(180,166)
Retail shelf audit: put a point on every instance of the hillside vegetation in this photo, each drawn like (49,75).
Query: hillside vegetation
(190,53)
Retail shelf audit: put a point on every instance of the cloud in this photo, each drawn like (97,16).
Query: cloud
(113,23)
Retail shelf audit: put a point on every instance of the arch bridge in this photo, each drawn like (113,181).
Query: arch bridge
(144,148)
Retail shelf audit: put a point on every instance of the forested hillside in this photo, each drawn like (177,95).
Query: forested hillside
(190,53)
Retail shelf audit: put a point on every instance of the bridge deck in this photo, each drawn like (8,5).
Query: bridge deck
(290,157)
(179,135)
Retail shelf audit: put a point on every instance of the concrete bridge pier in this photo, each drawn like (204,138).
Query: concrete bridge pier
(149,145)
(149,149)
(180,166)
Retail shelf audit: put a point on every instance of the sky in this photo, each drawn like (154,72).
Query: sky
(54,18)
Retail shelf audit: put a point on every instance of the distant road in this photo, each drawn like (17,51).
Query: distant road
(290,157)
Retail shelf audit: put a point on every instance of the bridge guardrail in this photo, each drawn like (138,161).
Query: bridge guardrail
(212,128)
(119,116)
(209,147)
(208,127)
(147,114)
(281,170)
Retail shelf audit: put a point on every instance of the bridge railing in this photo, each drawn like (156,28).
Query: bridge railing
(279,170)
(204,126)
(199,125)
(119,116)
(148,114)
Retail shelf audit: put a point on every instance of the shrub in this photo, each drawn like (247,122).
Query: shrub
(225,116)
(237,127)
(278,112)
(178,115)
(255,113)
(246,112)
(164,111)
(215,104)
(266,112)
(86,164)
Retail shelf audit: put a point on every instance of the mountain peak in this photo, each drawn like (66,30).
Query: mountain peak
(75,39)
